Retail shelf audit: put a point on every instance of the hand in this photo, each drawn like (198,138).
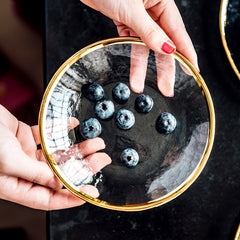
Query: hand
(159,24)
(25,176)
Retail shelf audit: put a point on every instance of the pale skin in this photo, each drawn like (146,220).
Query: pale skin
(155,22)
(25,176)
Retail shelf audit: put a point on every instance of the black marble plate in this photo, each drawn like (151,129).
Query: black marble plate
(168,163)
(230,32)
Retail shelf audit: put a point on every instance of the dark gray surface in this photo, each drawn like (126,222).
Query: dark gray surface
(209,209)
(232,30)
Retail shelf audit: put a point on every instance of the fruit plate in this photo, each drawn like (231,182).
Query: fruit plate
(168,164)
(229,21)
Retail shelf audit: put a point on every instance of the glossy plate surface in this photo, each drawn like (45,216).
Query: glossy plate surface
(168,164)
(229,21)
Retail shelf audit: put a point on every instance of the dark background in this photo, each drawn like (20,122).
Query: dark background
(210,208)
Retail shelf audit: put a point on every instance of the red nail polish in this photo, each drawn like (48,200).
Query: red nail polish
(168,47)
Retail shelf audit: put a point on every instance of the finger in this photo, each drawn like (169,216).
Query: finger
(165,74)
(80,172)
(138,60)
(172,23)
(35,133)
(57,125)
(90,4)
(61,124)
(138,66)
(21,165)
(39,197)
(70,123)
(90,190)
(79,150)
(65,199)
(40,155)
(149,31)
(98,161)
(90,146)
(25,137)
(8,120)
(123,30)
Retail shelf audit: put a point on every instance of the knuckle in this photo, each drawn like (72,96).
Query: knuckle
(149,34)
(36,178)
(3,166)
(166,4)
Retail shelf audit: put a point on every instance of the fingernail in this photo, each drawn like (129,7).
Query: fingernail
(167,91)
(168,47)
(90,190)
(136,88)
(102,142)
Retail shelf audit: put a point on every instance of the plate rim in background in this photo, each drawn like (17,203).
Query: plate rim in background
(222,26)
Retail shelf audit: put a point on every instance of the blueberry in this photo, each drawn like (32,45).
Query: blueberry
(125,119)
(91,128)
(130,157)
(93,92)
(166,123)
(121,93)
(104,109)
(143,103)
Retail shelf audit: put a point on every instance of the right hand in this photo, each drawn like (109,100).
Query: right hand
(160,26)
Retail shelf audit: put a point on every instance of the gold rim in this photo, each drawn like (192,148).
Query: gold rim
(237,236)
(133,207)
(222,25)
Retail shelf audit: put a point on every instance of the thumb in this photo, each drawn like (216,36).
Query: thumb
(150,32)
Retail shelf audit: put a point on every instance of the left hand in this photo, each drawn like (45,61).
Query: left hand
(25,176)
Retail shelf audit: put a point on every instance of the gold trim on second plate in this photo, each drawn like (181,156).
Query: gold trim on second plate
(133,207)
(222,26)
(237,236)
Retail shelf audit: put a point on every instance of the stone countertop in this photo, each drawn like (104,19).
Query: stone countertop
(210,208)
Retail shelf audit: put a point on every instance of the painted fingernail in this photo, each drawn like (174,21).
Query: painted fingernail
(168,47)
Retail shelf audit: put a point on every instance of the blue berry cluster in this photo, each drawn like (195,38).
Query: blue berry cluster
(104,109)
